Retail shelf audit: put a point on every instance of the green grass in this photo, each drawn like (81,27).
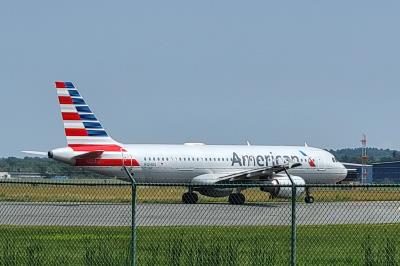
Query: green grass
(35,245)
(244,245)
(171,194)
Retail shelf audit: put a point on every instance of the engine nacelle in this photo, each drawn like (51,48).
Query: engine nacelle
(206,186)
(277,191)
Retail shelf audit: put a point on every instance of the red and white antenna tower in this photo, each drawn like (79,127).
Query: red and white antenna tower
(364,159)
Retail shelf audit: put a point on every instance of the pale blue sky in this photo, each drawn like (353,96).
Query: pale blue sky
(220,72)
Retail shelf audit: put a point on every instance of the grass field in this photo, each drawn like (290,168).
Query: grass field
(120,194)
(317,245)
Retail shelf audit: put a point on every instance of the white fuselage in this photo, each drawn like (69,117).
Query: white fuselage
(180,164)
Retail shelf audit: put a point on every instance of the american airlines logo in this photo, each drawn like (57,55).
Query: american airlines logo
(266,160)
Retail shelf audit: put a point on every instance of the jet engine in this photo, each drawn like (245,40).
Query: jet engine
(279,187)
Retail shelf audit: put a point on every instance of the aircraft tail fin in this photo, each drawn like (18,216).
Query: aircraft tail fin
(82,128)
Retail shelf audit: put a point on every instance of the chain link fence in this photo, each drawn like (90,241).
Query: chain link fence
(69,223)
(54,223)
(349,225)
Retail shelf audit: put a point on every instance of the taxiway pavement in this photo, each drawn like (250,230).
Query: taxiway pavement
(93,214)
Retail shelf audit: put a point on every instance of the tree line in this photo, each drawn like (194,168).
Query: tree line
(375,155)
(45,167)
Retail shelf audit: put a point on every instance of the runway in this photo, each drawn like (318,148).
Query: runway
(92,214)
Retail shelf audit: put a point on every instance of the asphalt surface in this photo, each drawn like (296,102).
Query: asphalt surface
(92,214)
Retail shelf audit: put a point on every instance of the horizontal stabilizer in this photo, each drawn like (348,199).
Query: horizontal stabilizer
(40,153)
(89,155)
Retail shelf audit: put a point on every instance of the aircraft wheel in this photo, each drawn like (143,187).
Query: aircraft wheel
(309,199)
(236,199)
(190,198)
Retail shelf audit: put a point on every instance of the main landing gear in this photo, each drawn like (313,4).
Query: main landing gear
(236,198)
(308,198)
(190,198)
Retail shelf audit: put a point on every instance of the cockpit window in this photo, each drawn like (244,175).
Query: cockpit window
(334,159)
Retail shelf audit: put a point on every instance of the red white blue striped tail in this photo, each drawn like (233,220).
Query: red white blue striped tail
(82,128)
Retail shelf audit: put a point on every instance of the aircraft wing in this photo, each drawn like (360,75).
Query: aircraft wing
(248,175)
(258,173)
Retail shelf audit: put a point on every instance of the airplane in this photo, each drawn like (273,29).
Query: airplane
(193,165)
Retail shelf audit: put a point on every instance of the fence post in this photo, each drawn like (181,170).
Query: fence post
(294,232)
(293,236)
(133,218)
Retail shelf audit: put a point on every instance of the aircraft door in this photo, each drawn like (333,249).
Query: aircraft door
(321,164)
(127,160)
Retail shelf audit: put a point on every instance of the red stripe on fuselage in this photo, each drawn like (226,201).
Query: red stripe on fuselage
(64,100)
(96,147)
(106,162)
(74,132)
(71,116)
